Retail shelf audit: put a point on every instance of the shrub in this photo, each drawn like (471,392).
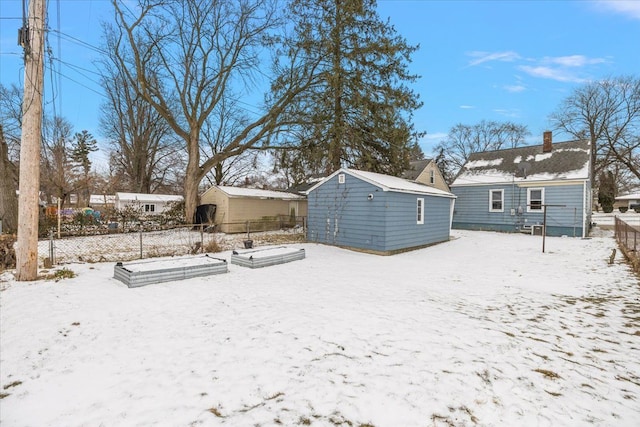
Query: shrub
(623,209)
(608,208)
(212,246)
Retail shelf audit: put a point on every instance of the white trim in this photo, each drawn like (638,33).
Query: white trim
(525,184)
(501,191)
(529,190)
(420,210)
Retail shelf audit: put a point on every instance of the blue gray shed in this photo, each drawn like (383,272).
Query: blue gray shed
(377,213)
(509,190)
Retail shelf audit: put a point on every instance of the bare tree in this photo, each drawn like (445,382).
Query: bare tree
(10,123)
(226,121)
(142,143)
(463,140)
(189,55)
(607,112)
(58,178)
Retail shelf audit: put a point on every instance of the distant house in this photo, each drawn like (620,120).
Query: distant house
(234,206)
(146,204)
(509,190)
(377,213)
(102,201)
(426,172)
(628,201)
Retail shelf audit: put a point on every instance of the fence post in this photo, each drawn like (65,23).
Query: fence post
(140,233)
(51,253)
(201,238)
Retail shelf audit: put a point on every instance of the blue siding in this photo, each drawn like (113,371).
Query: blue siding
(343,215)
(472,209)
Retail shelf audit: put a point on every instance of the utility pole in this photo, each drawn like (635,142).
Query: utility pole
(31,39)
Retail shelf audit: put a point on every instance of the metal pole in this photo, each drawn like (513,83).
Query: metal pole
(201,238)
(140,232)
(544,226)
(51,253)
(59,216)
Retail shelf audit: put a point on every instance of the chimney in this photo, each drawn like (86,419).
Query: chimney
(547,145)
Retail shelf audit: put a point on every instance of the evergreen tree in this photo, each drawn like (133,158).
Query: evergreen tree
(361,115)
(607,191)
(84,143)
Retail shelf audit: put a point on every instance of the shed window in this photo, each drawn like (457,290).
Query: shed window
(496,200)
(149,208)
(420,211)
(341,178)
(535,199)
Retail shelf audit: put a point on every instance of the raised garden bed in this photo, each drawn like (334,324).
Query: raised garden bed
(134,274)
(257,258)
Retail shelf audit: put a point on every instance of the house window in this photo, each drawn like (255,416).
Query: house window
(496,200)
(432,177)
(420,211)
(149,208)
(535,199)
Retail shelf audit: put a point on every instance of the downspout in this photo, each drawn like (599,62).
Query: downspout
(584,208)
(452,205)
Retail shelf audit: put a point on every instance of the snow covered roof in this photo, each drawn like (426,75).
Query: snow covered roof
(257,193)
(567,161)
(635,196)
(102,199)
(132,197)
(388,183)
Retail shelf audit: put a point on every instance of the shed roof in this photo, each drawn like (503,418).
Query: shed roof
(567,161)
(142,197)
(388,183)
(257,193)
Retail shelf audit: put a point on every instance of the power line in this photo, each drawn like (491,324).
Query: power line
(80,42)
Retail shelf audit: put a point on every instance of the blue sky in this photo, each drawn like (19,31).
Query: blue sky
(491,60)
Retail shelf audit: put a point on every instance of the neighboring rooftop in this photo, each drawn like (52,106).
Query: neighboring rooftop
(390,183)
(149,197)
(566,161)
(257,193)
(415,169)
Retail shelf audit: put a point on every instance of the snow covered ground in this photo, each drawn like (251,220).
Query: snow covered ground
(482,330)
(605,220)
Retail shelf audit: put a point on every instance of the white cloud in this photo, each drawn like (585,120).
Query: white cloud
(507,113)
(573,60)
(481,57)
(467,107)
(515,88)
(630,8)
(559,74)
(434,136)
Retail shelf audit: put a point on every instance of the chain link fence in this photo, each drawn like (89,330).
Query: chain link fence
(112,243)
(628,238)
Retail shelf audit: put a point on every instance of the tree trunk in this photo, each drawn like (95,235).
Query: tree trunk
(192,178)
(28,206)
(8,198)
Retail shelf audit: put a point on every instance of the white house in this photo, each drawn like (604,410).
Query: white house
(148,204)
(98,201)
(629,201)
